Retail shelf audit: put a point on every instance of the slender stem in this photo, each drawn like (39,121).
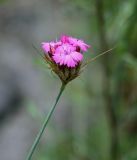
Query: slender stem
(32,149)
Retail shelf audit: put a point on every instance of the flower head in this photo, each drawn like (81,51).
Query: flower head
(65,56)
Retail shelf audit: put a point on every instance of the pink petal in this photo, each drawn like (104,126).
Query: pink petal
(49,46)
(45,47)
(57,44)
(62,59)
(69,61)
(80,43)
(72,40)
(57,58)
(59,50)
(83,45)
(64,39)
(77,56)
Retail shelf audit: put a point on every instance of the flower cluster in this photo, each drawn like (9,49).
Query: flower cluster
(67,51)
(65,56)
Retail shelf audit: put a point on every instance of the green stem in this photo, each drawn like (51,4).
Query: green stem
(32,149)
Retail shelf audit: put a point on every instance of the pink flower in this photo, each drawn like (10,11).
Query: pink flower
(66,55)
(67,51)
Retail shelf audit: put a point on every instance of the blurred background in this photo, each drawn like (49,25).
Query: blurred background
(96,118)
